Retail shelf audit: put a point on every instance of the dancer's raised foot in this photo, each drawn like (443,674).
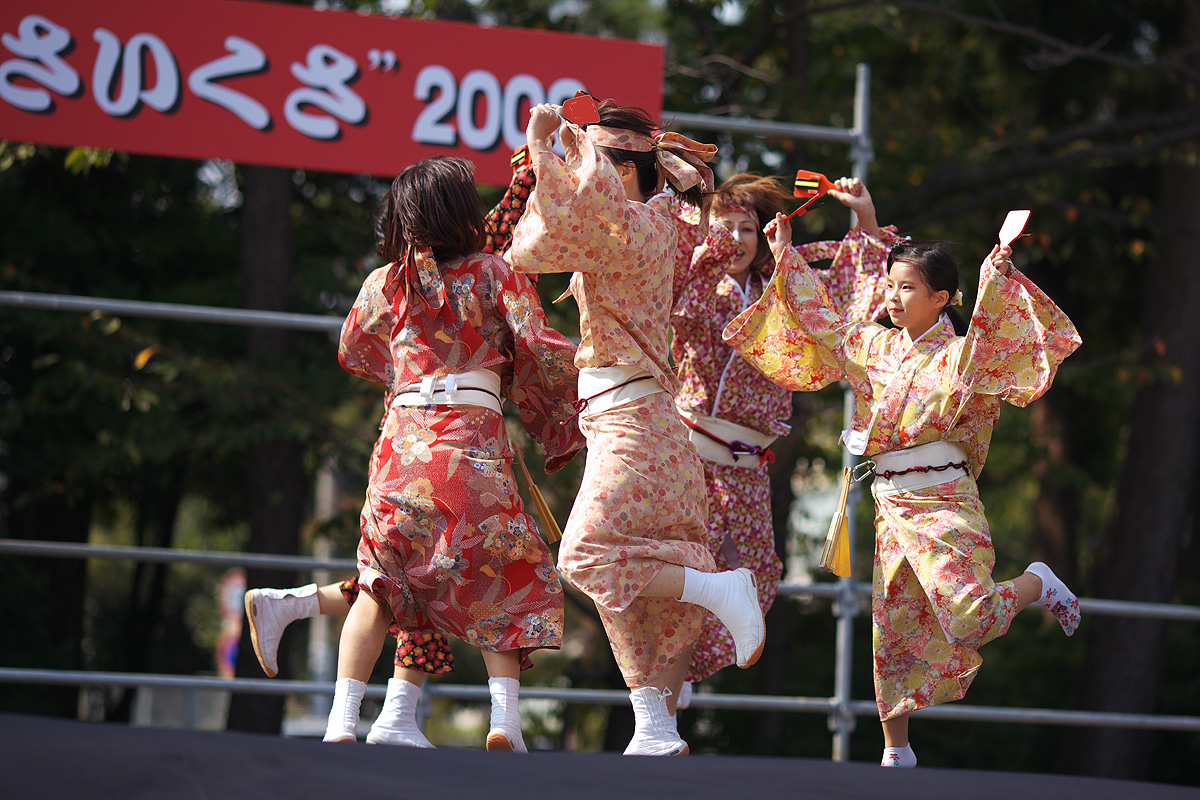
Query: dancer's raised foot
(269,612)
(733,597)
(1056,597)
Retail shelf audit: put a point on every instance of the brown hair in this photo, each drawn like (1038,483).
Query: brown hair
(763,196)
(632,118)
(434,204)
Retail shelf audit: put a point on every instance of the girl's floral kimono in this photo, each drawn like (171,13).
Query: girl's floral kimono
(446,541)
(717,382)
(934,600)
(428,650)
(642,501)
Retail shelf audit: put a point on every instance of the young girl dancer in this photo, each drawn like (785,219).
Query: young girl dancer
(636,540)
(732,410)
(926,400)
(418,652)
(446,543)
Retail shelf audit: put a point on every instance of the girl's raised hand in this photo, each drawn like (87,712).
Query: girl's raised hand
(1000,259)
(543,122)
(779,235)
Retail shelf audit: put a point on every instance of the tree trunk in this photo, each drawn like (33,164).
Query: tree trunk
(1057,504)
(51,595)
(276,477)
(1139,558)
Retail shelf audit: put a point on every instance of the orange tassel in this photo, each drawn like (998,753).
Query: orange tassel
(550,527)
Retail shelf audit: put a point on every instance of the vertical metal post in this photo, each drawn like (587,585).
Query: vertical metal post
(842,720)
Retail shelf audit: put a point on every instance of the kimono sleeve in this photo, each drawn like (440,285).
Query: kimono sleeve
(857,278)
(576,218)
(364,348)
(794,335)
(1016,341)
(694,286)
(501,220)
(544,382)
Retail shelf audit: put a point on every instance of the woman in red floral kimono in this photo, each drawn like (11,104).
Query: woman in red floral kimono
(446,544)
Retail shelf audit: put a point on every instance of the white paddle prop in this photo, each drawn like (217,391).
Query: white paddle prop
(1014,223)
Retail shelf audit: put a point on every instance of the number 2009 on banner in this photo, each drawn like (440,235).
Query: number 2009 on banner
(482,110)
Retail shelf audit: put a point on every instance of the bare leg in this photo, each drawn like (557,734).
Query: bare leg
(502,665)
(895,731)
(362,638)
(331,600)
(414,676)
(1029,588)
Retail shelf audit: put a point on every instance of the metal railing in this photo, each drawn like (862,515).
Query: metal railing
(842,710)
(845,593)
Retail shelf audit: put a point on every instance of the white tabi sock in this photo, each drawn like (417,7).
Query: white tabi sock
(1057,597)
(733,597)
(272,610)
(343,717)
(654,729)
(505,733)
(903,757)
(397,722)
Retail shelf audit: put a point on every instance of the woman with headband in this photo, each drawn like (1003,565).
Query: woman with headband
(734,412)
(636,540)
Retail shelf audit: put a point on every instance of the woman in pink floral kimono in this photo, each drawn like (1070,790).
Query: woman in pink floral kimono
(733,411)
(446,544)
(636,540)
(927,396)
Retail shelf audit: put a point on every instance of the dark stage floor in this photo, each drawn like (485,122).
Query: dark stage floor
(53,758)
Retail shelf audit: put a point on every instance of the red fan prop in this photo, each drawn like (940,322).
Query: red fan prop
(812,185)
(580,109)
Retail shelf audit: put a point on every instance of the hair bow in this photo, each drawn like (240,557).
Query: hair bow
(418,271)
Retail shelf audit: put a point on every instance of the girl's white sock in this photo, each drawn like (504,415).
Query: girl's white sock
(397,722)
(505,733)
(902,757)
(343,717)
(1056,597)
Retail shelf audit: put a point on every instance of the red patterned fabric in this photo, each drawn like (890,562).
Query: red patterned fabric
(427,651)
(446,541)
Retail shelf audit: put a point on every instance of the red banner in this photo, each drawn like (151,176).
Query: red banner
(288,85)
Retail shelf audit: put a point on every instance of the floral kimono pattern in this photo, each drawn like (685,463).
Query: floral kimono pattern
(934,602)
(717,382)
(642,501)
(446,542)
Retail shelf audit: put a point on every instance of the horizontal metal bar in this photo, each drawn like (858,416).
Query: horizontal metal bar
(176,311)
(787,130)
(166,555)
(825,705)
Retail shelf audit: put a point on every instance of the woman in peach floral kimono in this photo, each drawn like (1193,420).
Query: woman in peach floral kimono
(926,400)
(446,544)
(636,540)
